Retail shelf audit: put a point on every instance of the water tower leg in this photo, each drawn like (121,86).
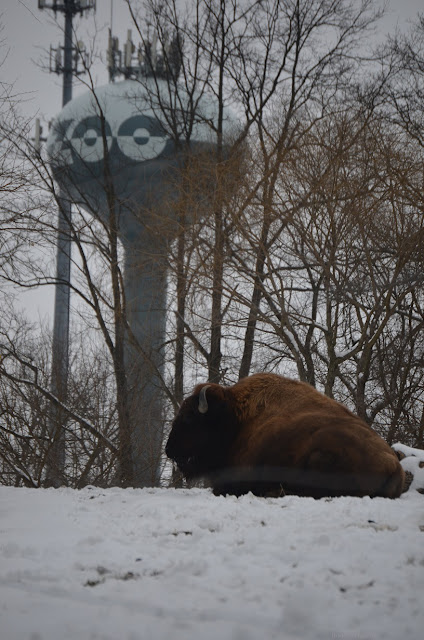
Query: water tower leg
(55,472)
(145,290)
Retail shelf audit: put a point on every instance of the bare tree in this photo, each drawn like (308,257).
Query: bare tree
(26,405)
(341,272)
(254,58)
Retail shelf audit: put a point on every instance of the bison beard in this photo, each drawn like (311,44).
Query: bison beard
(274,436)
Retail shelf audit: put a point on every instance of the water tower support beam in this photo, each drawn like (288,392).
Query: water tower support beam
(55,472)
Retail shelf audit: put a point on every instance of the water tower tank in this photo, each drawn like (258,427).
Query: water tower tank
(141,154)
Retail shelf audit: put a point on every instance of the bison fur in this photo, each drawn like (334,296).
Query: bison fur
(273,436)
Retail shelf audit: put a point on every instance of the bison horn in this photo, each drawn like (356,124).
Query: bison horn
(203,403)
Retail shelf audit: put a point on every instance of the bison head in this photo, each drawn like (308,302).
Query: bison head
(202,431)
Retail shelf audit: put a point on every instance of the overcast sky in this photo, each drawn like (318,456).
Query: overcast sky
(27,34)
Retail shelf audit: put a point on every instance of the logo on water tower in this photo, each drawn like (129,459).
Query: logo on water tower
(139,138)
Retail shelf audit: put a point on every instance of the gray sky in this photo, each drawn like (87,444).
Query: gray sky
(27,32)
(26,36)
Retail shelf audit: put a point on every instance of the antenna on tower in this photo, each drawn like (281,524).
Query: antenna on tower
(150,58)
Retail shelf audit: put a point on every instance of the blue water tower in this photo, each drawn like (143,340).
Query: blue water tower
(121,120)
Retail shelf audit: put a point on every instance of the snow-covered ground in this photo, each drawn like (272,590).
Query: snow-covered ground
(185,565)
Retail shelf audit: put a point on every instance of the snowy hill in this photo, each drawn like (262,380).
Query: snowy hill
(185,565)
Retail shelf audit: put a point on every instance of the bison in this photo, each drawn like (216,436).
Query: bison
(274,436)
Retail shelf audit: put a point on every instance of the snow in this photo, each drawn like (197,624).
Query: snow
(182,564)
(413,462)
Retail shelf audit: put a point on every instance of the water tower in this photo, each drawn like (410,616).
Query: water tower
(121,119)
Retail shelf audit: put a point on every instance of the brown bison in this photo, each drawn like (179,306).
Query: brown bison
(272,436)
